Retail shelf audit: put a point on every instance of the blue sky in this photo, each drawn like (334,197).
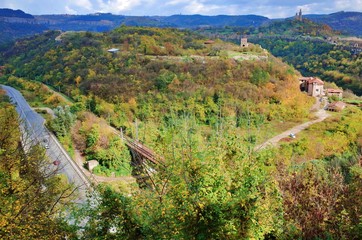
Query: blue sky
(268,8)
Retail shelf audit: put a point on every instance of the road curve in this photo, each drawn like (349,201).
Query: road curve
(38,133)
(321,114)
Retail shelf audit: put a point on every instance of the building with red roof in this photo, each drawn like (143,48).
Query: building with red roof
(334,92)
(336,106)
(312,85)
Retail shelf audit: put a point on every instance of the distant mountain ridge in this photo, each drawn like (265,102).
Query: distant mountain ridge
(16,23)
(6,12)
(107,20)
(219,20)
(347,22)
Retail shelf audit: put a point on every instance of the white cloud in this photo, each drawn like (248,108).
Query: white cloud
(202,7)
(83,4)
(117,6)
(176,2)
(69,10)
(195,7)
(355,5)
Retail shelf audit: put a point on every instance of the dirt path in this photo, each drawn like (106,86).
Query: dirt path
(321,114)
(65,98)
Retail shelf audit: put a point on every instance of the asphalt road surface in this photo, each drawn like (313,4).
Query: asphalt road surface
(36,132)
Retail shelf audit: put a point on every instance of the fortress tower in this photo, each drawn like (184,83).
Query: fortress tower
(244,42)
(299,16)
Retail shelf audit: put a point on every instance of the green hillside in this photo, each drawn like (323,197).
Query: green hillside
(176,64)
(13,31)
(159,76)
(203,107)
(313,49)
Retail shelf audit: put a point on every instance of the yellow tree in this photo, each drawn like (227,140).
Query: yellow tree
(32,194)
(78,80)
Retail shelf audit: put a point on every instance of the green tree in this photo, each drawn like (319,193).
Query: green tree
(164,79)
(206,191)
(63,121)
(260,77)
(112,218)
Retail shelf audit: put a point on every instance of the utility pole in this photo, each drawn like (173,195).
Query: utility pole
(136,129)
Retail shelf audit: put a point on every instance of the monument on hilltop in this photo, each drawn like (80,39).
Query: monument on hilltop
(299,16)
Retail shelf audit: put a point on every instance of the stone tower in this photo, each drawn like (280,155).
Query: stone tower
(299,16)
(244,42)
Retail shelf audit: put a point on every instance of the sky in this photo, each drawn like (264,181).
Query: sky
(268,8)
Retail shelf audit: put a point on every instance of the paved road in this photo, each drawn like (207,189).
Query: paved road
(321,114)
(33,123)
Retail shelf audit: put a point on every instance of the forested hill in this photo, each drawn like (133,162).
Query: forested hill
(347,22)
(314,49)
(204,106)
(150,61)
(160,77)
(295,28)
